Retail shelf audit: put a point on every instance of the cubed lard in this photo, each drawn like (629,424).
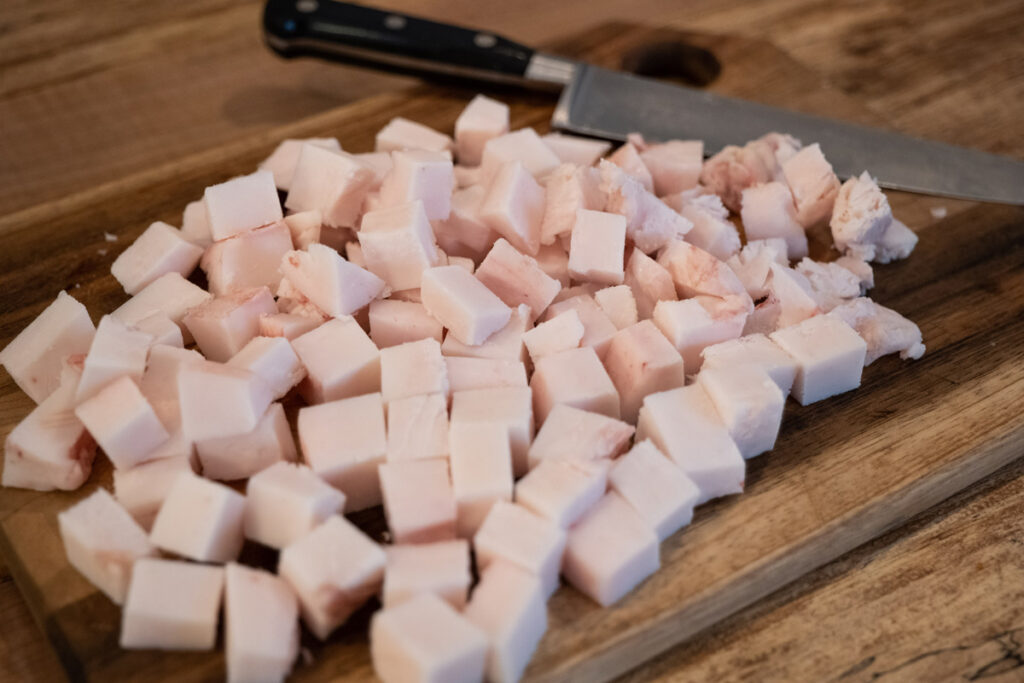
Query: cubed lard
(562,332)
(242,204)
(611,551)
(340,359)
(512,533)
(734,169)
(286,501)
(272,359)
(288,325)
(563,490)
(122,422)
(411,369)
(34,357)
(465,374)
(348,464)
(462,262)
(483,119)
(481,469)
(195,224)
(598,329)
(441,568)
(794,294)
(336,286)
(142,489)
(752,264)
(379,162)
(650,282)
(160,249)
(521,146)
(861,217)
(464,233)
(627,157)
(333,569)
(553,259)
(419,175)
(650,223)
(401,133)
(831,283)
(574,149)
(712,231)
(576,378)
(675,165)
(660,492)
(418,427)
(398,244)
(619,304)
(397,322)
(225,324)
(897,243)
(579,436)
(285,157)
(201,520)
(117,350)
(757,350)
(159,383)
(568,189)
(505,344)
(642,361)
(514,207)
(463,304)
(261,625)
(218,400)
(510,406)
(768,211)
(162,329)
(597,248)
(509,606)
(884,330)
(516,278)
(172,605)
(334,183)
(424,640)
(691,325)
(304,227)
(695,272)
(238,457)
(749,403)
(685,425)
(102,542)
(419,503)
(814,185)
(250,259)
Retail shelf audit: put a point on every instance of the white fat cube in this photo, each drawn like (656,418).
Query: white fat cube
(768,211)
(568,189)
(517,278)
(160,249)
(814,185)
(610,551)
(553,259)
(686,426)
(242,204)
(251,259)
(218,400)
(510,607)
(333,570)
(481,469)
(829,353)
(401,133)
(792,290)
(172,605)
(273,360)
(483,119)
(159,383)
(641,361)
(170,294)
(757,350)
(598,329)
(465,374)
(884,330)
(223,325)
(418,500)
(597,247)
(398,244)
(512,533)
(514,207)
(749,403)
(305,227)
(897,242)
(712,231)
(340,359)
(650,222)
(334,183)
(335,285)
(464,232)
(463,304)
(619,304)
(288,325)
(34,357)
(650,282)
(162,329)
(861,217)
(123,423)
(441,568)
(505,344)
(261,625)
(753,264)
(286,501)
(238,457)
(285,157)
(380,162)
(424,640)
(411,369)
(509,406)
(576,378)
(117,350)
(695,272)
(579,436)
(195,224)
(560,333)
(201,520)
(142,489)
(675,165)
(563,490)
(348,464)
(418,427)
(521,146)
(395,322)
(419,175)
(575,149)
(691,325)
(627,157)
(660,492)
(102,542)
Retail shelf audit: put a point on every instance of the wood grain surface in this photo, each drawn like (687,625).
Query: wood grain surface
(816,34)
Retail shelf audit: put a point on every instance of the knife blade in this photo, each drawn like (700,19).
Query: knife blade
(610,104)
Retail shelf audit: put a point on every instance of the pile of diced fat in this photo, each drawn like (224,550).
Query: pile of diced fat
(538,360)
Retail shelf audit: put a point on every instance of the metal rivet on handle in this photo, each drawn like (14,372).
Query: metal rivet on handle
(395,22)
(485,40)
(307,6)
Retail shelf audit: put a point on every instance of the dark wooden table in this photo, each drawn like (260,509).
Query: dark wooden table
(90,92)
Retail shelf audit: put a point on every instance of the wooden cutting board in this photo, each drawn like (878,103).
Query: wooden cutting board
(844,470)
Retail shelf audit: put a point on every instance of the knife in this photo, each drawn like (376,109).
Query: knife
(610,104)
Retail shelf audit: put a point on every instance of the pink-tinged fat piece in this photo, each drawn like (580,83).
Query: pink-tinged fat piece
(419,175)
(753,264)
(35,356)
(685,425)
(172,605)
(285,157)
(655,488)
(463,304)
(691,325)
(695,272)
(304,227)
(218,400)
(225,324)
(523,146)
(568,189)
(860,217)
(288,325)
(829,353)
(597,248)
(517,278)
(650,223)
(334,183)
(563,490)
(712,231)
(272,359)
(467,176)
(229,458)
(417,427)
(619,304)
(576,378)
(379,162)
(627,157)
(510,406)
(481,469)
(642,361)
(162,329)
(769,211)
(397,322)
(336,286)
(143,488)
(749,403)
(419,503)
(462,262)
(611,551)
(333,569)
(464,232)
(285,502)
(560,333)
(195,224)
(514,206)
(424,640)
(340,359)
(794,293)
(884,330)
(764,319)
(579,436)
(832,284)
(513,534)
(598,329)
(553,259)
(505,344)
(650,282)
(241,204)
(756,350)
(160,249)
(675,165)
(865,274)
(510,607)
(897,243)
(117,350)
(201,520)
(261,625)
(465,374)
(734,169)
(349,464)
(483,119)
(441,568)
(814,185)
(250,259)
(398,244)
(159,383)
(122,422)
(102,542)
(402,134)
(412,368)
(576,150)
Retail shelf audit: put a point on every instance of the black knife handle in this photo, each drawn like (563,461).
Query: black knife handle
(399,42)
